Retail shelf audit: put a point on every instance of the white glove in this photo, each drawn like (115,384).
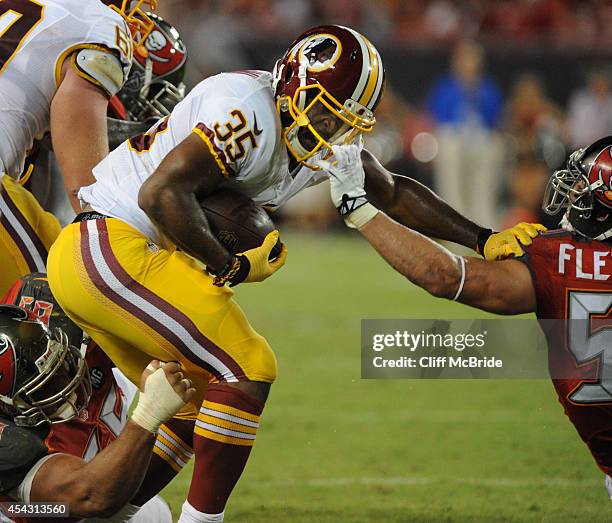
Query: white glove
(158,403)
(347,179)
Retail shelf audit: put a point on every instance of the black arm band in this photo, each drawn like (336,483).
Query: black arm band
(483,236)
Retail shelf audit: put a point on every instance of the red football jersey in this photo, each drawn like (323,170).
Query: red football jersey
(573,283)
(104,418)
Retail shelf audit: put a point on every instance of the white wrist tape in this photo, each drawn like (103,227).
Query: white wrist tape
(359,218)
(462,283)
(157,404)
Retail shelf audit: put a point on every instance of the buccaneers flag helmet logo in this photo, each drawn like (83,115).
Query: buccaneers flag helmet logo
(166,54)
(600,176)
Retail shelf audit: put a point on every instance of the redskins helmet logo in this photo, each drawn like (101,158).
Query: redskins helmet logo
(7,366)
(320,52)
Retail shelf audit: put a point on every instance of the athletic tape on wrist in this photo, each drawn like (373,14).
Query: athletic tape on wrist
(359,218)
(157,404)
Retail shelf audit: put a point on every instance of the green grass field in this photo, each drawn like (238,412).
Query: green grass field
(335,448)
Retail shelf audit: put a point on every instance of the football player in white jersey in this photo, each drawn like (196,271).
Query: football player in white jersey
(153,88)
(60,62)
(117,273)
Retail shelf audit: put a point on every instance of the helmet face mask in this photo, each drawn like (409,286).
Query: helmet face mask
(144,106)
(138,21)
(51,382)
(583,190)
(332,68)
(348,123)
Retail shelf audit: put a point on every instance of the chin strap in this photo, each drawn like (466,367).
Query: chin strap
(566,225)
(148,78)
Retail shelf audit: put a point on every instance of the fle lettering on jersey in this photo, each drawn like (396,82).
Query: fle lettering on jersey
(584,264)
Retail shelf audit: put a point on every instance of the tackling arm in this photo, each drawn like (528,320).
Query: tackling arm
(502,287)
(78,130)
(414,205)
(103,486)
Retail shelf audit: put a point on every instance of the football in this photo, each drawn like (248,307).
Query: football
(238,222)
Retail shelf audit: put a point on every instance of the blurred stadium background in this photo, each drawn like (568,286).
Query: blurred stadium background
(484,99)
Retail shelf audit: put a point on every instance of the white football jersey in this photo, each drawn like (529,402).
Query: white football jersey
(235,114)
(35,38)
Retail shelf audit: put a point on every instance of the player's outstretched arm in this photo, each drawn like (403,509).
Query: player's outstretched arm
(503,287)
(78,130)
(103,486)
(414,205)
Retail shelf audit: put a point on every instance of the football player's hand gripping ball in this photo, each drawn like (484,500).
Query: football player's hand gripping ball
(510,242)
(347,180)
(253,265)
(258,260)
(163,391)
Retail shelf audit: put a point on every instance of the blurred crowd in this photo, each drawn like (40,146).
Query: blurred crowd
(487,152)
(487,148)
(557,22)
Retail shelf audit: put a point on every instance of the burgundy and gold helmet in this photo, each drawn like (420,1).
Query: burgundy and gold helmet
(330,67)
(584,189)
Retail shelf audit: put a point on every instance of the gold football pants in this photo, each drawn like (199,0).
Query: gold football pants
(26,233)
(140,302)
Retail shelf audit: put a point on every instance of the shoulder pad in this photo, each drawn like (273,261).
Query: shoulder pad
(20,449)
(100,67)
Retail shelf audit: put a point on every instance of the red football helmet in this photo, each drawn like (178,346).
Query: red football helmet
(155,83)
(43,379)
(328,68)
(585,190)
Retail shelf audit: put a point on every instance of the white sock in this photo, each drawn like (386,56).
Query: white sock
(191,515)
